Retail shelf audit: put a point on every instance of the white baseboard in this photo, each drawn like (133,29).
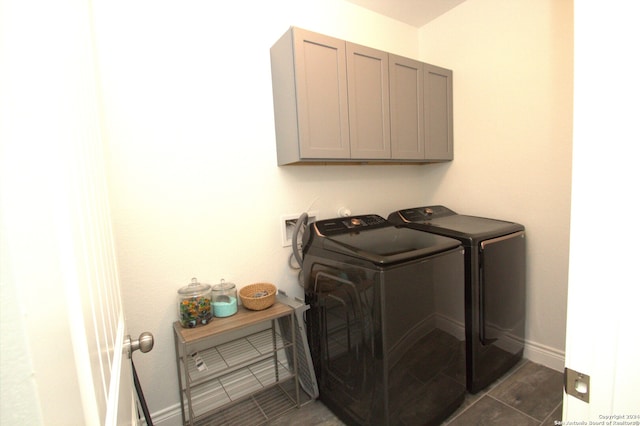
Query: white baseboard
(170,416)
(544,355)
(533,351)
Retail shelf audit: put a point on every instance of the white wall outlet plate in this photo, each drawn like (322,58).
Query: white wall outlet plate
(288,223)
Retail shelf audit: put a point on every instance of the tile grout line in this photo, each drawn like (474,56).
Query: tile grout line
(465,410)
(513,371)
(473,399)
(540,422)
(485,391)
(553,411)
(514,408)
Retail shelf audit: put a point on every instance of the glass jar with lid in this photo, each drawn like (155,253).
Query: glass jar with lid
(224,299)
(194,304)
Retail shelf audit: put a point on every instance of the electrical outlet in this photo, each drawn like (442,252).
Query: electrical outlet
(288,224)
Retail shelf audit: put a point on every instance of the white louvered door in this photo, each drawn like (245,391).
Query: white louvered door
(59,272)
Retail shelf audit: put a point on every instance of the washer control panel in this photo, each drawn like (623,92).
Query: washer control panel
(420,214)
(341,225)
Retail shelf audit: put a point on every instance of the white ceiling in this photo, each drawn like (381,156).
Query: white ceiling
(412,12)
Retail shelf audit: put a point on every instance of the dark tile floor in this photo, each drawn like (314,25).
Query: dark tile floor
(529,394)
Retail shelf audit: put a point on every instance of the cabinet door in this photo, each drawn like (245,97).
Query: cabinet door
(406,106)
(368,89)
(438,104)
(321,90)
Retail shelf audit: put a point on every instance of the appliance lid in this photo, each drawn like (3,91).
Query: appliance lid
(388,244)
(443,221)
(473,225)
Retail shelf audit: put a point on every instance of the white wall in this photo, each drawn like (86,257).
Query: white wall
(196,190)
(195,186)
(513,65)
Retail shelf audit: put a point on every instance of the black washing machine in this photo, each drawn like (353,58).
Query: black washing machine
(494,286)
(386,320)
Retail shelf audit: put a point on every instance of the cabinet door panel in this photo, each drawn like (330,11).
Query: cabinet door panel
(321,87)
(438,113)
(368,89)
(407,115)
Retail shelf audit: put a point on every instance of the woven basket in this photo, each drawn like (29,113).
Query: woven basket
(258,296)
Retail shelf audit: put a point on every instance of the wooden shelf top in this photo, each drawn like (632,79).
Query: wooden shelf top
(243,318)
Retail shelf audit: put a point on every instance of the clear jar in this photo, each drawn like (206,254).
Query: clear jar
(225,299)
(194,304)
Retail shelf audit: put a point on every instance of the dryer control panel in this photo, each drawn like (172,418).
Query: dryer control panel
(420,214)
(342,225)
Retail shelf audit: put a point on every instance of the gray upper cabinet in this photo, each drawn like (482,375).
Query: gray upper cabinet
(438,97)
(368,89)
(421,110)
(407,108)
(309,77)
(336,101)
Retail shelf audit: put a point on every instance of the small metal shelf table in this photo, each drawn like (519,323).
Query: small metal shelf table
(239,369)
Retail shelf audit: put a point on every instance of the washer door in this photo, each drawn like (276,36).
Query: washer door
(502,291)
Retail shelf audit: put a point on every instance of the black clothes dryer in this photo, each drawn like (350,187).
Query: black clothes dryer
(386,320)
(494,286)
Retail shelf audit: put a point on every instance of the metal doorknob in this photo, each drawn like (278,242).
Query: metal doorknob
(144,343)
